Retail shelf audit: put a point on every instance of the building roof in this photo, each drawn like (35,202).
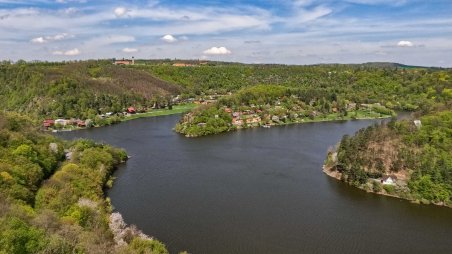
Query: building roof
(386,177)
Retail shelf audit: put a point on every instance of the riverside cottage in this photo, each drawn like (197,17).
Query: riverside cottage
(62,122)
(389,180)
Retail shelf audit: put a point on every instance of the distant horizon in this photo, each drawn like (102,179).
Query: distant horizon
(217,61)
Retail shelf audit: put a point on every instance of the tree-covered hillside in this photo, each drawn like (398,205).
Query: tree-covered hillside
(392,86)
(418,154)
(78,89)
(52,195)
(85,89)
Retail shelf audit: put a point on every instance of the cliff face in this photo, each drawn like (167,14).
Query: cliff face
(417,159)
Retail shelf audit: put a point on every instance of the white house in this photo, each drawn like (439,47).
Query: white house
(62,122)
(389,180)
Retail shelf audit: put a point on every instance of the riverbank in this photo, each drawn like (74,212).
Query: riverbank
(177,109)
(396,158)
(253,121)
(368,187)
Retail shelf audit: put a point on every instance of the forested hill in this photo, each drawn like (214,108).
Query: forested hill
(52,196)
(417,155)
(394,86)
(89,88)
(78,89)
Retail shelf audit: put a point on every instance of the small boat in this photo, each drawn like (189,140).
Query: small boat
(266,126)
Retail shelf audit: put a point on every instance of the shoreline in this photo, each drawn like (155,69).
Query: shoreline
(177,109)
(336,175)
(303,121)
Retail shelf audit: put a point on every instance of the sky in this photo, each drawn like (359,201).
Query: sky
(415,32)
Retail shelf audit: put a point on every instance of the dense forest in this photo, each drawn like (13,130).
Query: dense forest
(52,195)
(79,89)
(417,154)
(396,87)
(304,93)
(88,88)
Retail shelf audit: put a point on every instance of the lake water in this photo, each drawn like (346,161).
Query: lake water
(258,191)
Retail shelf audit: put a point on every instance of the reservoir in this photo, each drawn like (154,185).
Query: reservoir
(258,191)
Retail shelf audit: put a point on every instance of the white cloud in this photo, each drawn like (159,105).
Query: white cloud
(58,37)
(38,40)
(217,51)
(169,38)
(120,11)
(129,50)
(45,39)
(71,52)
(405,44)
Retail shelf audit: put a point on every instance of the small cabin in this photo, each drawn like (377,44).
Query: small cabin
(389,180)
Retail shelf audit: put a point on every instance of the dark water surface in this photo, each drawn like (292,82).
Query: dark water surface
(259,191)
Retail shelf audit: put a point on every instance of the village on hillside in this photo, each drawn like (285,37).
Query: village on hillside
(131,112)
(72,123)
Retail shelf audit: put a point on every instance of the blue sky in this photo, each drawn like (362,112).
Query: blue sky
(414,32)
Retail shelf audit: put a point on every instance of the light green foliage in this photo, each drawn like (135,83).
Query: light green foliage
(206,120)
(16,236)
(93,158)
(141,246)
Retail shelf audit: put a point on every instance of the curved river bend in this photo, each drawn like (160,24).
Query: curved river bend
(258,191)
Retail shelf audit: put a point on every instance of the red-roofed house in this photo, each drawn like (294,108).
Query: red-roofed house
(131,110)
(48,123)
(81,123)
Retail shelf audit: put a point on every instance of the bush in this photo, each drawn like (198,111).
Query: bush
(390,189)
(376,186)
(144,246)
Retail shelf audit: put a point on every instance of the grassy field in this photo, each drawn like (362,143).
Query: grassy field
(177,109)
